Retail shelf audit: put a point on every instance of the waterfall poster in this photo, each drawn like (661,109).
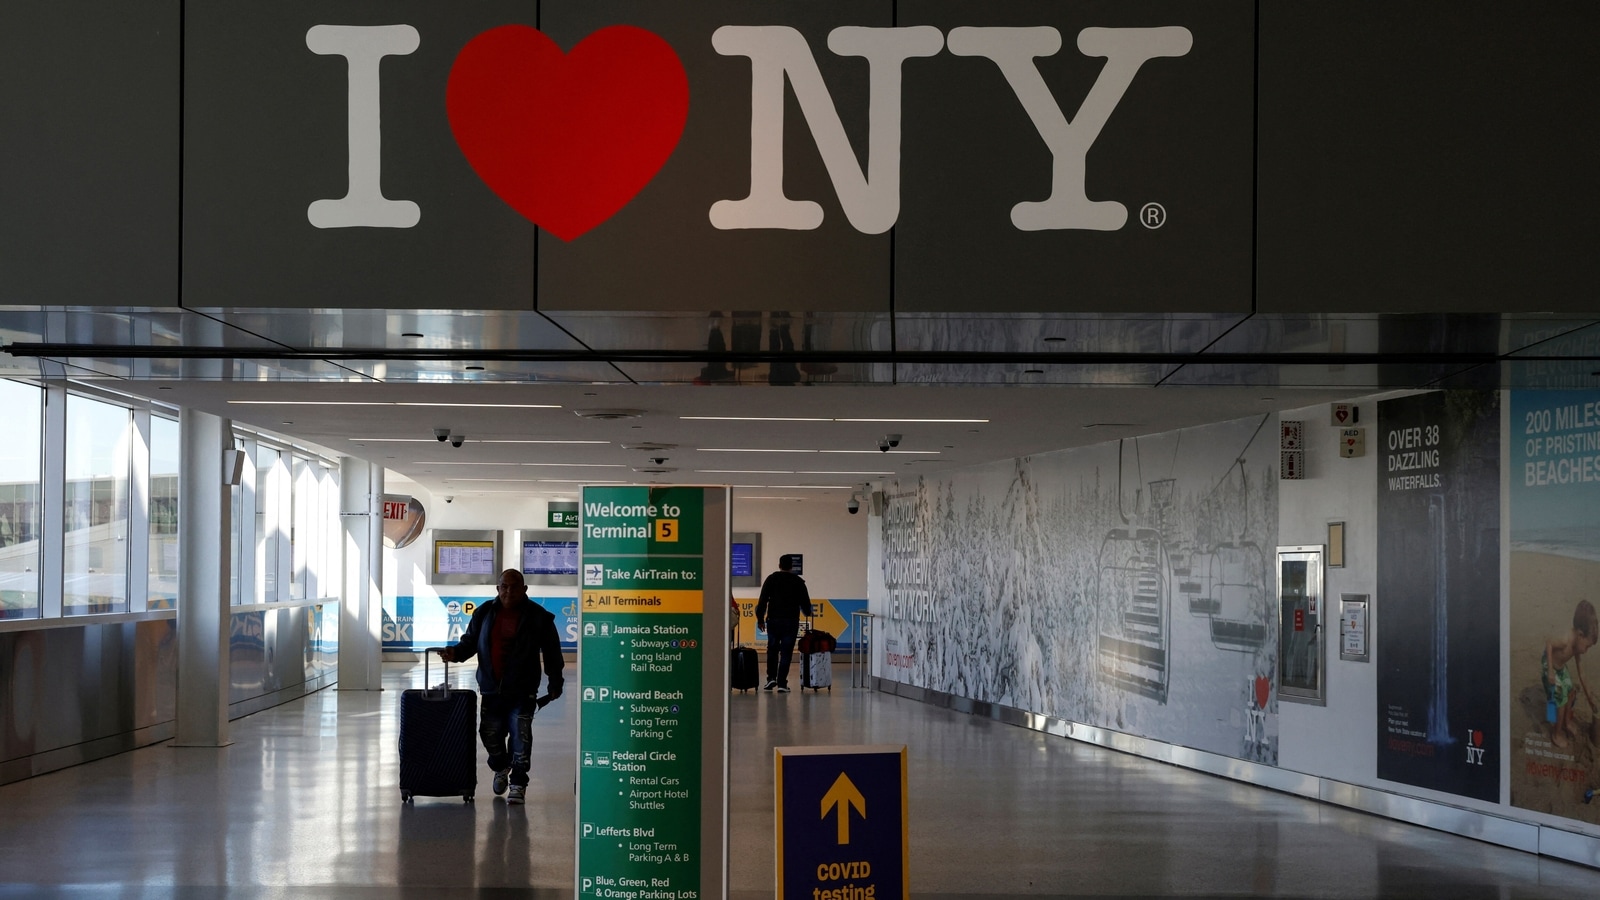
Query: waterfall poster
(1437,609)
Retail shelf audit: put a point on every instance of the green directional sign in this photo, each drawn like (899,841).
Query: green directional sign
(643,521)
(563,514)
(643,715)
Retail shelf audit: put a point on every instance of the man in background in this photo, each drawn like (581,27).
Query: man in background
(784,599)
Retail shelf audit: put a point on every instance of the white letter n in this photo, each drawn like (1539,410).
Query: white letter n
(872,201)
(364,204)
(1125,50)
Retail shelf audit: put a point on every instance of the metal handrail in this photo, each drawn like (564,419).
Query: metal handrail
(861,648)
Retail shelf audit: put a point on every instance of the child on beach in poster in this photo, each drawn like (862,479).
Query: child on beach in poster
(1557,681)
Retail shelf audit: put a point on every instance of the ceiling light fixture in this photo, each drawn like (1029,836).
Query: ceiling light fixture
(393,403)
(474,440)
(770,450)
(605,414)
(817,419)
(518,464)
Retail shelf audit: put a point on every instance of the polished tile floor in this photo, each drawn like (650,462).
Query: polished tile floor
(305,804)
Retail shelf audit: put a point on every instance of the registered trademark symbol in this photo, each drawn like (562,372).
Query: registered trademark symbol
(1153,215)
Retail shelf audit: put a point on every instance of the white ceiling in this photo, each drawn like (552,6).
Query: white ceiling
(501,454)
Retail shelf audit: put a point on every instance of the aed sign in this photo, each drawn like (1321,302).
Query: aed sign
(407,154)
(842,823)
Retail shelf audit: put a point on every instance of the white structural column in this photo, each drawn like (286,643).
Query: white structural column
(361,601)
(205,525)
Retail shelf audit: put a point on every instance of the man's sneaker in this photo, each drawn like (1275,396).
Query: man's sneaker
(518,794)
(501,779)
(783,689)
(771,683)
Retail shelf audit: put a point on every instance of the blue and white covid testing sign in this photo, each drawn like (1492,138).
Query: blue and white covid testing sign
(841,823)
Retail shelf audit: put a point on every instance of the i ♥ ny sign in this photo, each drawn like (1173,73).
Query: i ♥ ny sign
(567,138)
(721,154)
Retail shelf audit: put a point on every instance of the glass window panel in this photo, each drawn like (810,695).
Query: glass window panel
(95,507)
(163,513)
(267,524)
(300,536)
(236,539)
(19,500)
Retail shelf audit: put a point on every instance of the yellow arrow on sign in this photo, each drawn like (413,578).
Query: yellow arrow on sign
(844,795)
(829,619)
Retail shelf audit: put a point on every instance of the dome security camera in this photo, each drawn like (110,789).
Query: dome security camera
(457,440)
(658,460)
(893,439)
(441,434)
(449,498)
(854,506)
(883,445)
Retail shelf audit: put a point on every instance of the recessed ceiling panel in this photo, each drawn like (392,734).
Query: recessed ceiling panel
(1064,333)
(399,330)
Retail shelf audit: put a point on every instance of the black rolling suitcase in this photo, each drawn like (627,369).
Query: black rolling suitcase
(438,741)
(816,658)
(744,667)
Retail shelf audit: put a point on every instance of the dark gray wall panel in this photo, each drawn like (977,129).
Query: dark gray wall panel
(266,135)
(1429,156)
(1180,137)
(660,252)
(89,126)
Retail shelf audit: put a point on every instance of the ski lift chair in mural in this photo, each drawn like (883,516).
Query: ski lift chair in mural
(1134,583)
(1238,593)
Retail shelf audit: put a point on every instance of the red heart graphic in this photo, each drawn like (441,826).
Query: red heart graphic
(1263,689)
(567,139)
(1477,739)
(1341,415)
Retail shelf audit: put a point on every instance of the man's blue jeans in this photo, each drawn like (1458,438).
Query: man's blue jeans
(508,718)
(780,649)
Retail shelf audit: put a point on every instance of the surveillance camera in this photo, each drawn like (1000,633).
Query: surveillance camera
(457,440)
(658,460)
(854,506)
(883,445)
(449,498)
(441,434)
(893,439)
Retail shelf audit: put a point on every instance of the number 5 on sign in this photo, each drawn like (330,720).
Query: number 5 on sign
(667,530)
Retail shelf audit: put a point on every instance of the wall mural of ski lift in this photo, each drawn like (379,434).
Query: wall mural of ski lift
(1133,581)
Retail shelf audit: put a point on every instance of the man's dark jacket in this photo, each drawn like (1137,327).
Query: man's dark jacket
(784,599)
(536,637)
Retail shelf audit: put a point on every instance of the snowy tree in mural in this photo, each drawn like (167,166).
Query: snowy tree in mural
(1126,585)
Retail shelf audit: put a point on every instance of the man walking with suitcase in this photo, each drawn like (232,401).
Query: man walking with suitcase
(784,599)
(516,642)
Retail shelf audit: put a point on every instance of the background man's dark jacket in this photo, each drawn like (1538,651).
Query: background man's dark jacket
(536,638)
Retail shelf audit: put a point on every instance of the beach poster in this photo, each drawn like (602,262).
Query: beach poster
(1437,608)
(1555,576)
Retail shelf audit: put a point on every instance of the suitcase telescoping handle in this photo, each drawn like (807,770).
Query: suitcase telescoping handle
(444,687)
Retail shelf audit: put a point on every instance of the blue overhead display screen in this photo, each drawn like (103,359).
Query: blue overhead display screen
(743,557)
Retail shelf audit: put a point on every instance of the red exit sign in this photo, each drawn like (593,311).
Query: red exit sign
(394,509)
